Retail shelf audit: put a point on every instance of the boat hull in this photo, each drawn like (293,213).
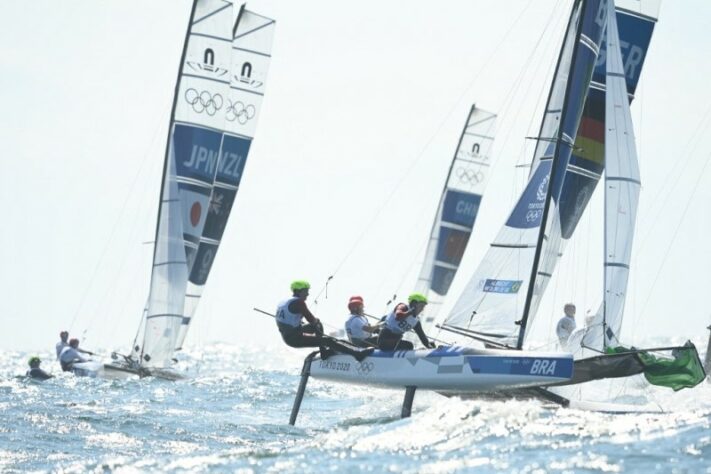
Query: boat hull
(448,369)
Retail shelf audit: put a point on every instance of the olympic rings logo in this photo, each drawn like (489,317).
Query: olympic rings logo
(533,216)
(203,101)
(469,176)
(364,368)
(240,112)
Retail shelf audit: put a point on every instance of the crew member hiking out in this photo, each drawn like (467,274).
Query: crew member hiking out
(404,318)
(289,315)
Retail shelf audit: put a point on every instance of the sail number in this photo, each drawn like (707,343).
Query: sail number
(543,367)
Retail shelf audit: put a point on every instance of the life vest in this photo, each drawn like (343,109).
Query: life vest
(284,316)
(354,327)
(400,326)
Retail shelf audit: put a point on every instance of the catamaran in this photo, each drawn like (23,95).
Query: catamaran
(218,96)
(500,287)
(587,128)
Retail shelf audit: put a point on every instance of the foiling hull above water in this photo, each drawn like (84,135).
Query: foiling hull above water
(448,369)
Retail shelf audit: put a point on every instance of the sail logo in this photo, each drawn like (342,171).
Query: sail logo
(239,111)
(204,101)
(207,64)
(245,76)
(543,367)
(502,286)
(528,211)
(469,176)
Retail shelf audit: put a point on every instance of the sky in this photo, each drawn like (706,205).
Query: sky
(363,107)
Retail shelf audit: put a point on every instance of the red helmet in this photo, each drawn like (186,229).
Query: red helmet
(355,300)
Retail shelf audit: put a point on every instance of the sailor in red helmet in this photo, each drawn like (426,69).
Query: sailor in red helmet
(289,314)
(360,333)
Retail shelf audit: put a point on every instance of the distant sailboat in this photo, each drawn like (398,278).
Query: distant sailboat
(457,210)
(218,96)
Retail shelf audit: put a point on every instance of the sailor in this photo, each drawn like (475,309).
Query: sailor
(566,325)
(71,355)
(404,318)
(35,372)
(289,315)
(63,338)
(360,333)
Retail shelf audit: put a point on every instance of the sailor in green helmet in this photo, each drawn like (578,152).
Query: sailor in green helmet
(403,318)
(289,314)
(35,372)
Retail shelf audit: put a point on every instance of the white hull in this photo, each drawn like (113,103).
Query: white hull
(98,369)
(448,369)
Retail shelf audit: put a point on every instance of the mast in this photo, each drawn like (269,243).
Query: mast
(552,180)
(166,161)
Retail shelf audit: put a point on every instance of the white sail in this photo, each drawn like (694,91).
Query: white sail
(458,208)
(499,299)
(193,148)
(622,186)
(251,54)
(494,298)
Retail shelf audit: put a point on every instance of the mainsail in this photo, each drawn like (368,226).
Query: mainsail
(506,287)
(588,158)
(622,185)
(251,54)
(457,210)
(217,97)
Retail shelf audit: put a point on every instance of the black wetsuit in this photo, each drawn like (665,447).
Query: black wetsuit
(37,373)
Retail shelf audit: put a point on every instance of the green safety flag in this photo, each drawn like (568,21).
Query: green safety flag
(684,370)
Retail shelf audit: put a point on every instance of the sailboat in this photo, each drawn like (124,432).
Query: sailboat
(457,210)
(598,350)
(501,364)
(218,95)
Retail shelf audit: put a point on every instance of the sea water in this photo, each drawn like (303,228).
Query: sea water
(232,416)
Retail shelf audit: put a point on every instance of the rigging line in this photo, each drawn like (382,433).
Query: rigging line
(544,84)
(514,193)
(672,184)
(676,231)
(419,156)
(116,223)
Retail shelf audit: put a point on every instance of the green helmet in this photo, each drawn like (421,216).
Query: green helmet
(417,298)
(298,285)
(33,360)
